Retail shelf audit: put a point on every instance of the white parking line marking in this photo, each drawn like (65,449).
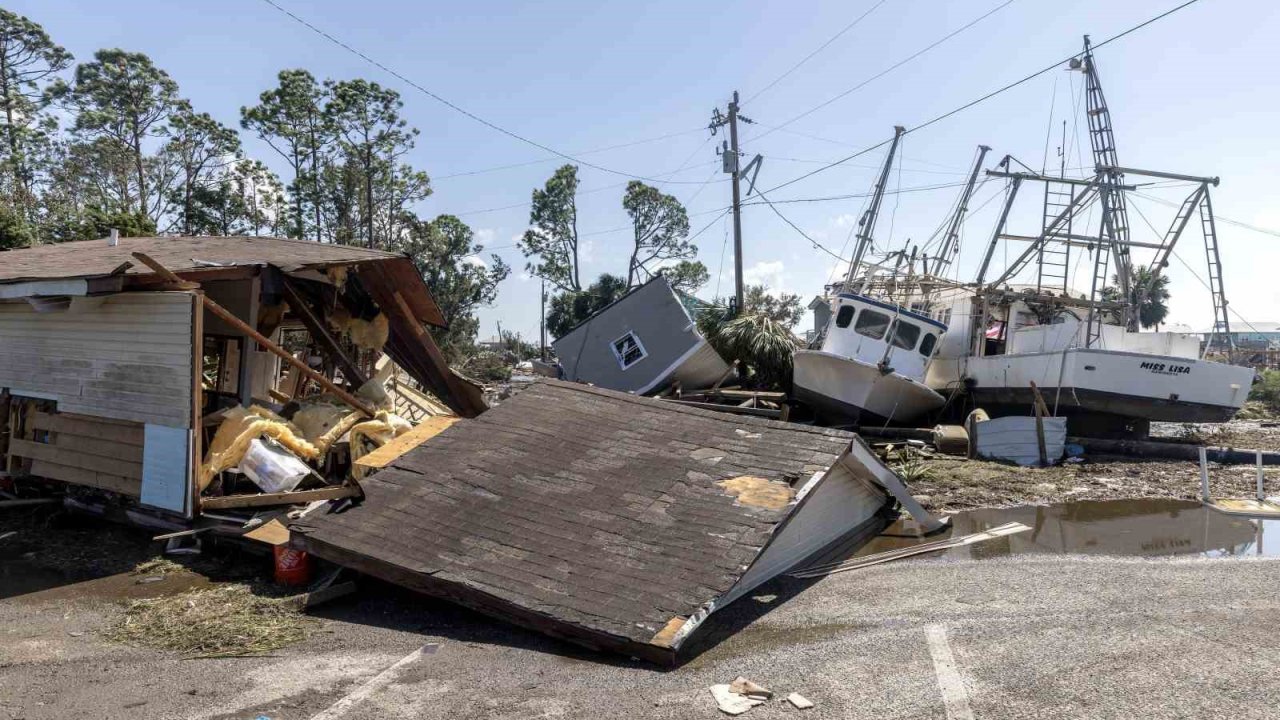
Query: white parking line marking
(383,679)
(954,696)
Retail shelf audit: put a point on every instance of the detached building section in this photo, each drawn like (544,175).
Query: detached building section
(641,343)
(112,375)
(610,520)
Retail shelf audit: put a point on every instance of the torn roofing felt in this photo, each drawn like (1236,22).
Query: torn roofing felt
(615,521)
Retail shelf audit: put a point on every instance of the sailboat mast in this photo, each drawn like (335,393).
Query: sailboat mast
(867,224)
(942,260)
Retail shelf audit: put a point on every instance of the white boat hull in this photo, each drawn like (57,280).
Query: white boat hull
(839,387)
(1136,385)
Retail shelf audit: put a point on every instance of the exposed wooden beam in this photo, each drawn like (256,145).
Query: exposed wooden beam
(320,333)
(273,348)
(298,497)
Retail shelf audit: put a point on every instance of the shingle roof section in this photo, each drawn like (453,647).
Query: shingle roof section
(90,258)
(576,506)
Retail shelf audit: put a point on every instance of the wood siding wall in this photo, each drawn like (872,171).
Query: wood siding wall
(128,357)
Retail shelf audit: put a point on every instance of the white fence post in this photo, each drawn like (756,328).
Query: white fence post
(1204,476)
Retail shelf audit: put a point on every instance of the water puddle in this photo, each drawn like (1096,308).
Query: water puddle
(1145,528)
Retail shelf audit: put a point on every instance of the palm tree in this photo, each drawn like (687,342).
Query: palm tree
(1155,308)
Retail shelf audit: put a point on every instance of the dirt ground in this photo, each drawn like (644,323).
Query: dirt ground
(955,484)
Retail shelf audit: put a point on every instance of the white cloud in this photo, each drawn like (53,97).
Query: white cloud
(845,220)
(475,260)
(770,274)
(486,235)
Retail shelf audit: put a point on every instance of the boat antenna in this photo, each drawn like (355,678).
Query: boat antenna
(867,224)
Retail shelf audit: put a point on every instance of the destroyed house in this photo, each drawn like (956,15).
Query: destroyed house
(643,342)
(614,521)
(120,358)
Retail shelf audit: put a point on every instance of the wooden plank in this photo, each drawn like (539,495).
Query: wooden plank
(90,478)
(388,453)
(109,449)
(733,409)
(69,458)
(290,498)
(272,532)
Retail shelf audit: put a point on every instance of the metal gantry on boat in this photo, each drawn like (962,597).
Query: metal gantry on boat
(886,353)
(1086,352)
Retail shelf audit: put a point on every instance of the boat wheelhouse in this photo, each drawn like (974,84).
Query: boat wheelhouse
(871,364)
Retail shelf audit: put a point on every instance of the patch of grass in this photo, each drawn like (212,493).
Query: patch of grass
(157,566)
(911,466)
(229,620)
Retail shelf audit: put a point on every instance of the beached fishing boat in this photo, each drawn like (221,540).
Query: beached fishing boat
(870,362)
(1085,350)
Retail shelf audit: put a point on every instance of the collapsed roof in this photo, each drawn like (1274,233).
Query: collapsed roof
(611,520)
(91,267)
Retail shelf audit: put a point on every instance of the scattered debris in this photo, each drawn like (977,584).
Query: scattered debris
(799,701)
(1016,439)
(883,557)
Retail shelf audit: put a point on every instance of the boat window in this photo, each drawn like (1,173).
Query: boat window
(927,345)
(905,335)
(845,316)
(628,350)
(872,324)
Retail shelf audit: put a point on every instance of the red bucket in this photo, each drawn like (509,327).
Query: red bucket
(293,567)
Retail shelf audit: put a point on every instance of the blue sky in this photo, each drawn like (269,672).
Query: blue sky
(1194,93)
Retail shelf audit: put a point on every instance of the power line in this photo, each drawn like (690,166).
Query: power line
(447,103)
(821,47)
(986,97)
(817,245)
(886,71)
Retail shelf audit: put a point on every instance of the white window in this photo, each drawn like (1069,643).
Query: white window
(628,350)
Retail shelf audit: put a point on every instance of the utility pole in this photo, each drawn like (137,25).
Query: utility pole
(542,323)
(731,156)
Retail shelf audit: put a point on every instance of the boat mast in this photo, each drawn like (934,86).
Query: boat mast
(942,260)
(867,224)
(1115,215)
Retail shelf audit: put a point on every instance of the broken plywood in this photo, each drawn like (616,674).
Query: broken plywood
(598,516)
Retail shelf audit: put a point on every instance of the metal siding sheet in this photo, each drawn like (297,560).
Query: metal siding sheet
(164,467)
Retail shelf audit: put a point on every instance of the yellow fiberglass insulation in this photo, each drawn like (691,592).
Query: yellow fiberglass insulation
(369,334)
(318,415)
(374,434)
(238,429)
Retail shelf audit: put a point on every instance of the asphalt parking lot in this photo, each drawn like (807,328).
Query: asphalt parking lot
(1018,637)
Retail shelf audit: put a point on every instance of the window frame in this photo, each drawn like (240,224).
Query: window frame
(849,320)
(933,346)
(621,356)
(893,335)
(888,323)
